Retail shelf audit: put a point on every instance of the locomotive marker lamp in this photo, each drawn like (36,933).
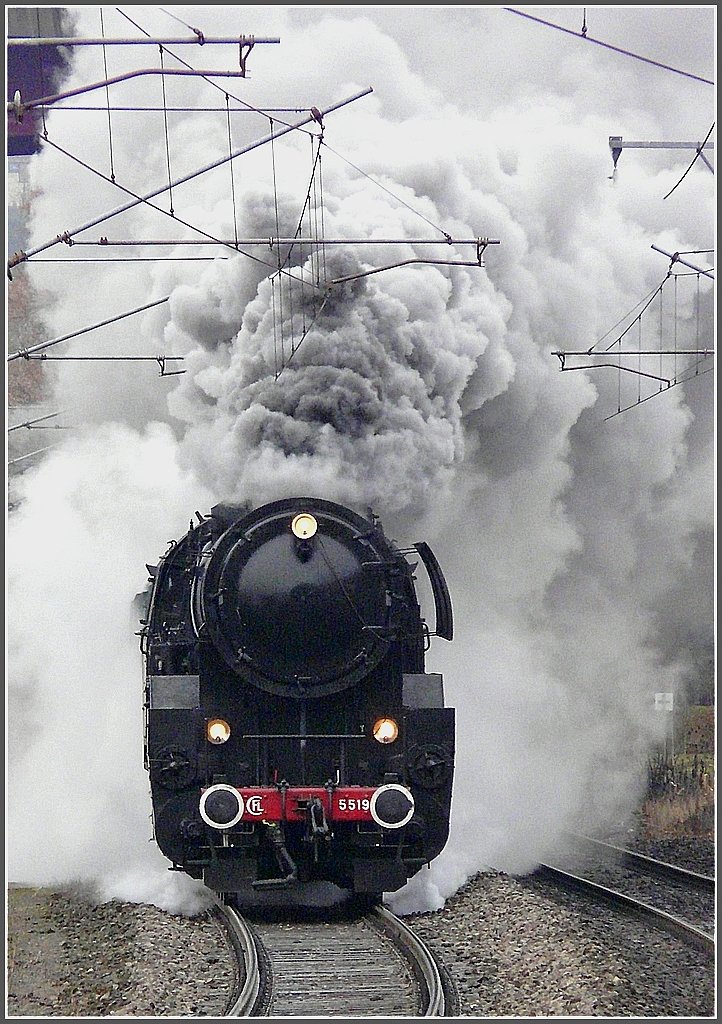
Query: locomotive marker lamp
(221,806)
(217,731)
(392,806)
(304,526)
(385,730)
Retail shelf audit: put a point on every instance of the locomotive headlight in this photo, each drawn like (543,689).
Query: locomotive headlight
(217,731)
(385,730)
(304,526)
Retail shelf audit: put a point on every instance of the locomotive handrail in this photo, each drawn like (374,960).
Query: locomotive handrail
(303,736)
(440,590)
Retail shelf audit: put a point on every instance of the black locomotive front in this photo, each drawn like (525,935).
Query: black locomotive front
(293,738)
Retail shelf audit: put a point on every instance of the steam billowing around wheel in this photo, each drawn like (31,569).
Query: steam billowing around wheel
(294,740)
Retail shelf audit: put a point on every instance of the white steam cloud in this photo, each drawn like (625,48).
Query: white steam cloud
(575,549)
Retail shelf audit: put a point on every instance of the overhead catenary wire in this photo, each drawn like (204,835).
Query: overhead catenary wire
(71,241)
(665,335)
(645,302)
(674,321)
(277,292)
(244,40)
(107,100)
(322,205)
(696,156)
(197,31)
(230,167)
(316,116)
(313,202)
(68,235)
(387,190)
(304,335)
(656,394)
(166,136)
(647,298)
(617,49)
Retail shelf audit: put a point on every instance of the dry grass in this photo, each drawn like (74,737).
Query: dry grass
(683,814)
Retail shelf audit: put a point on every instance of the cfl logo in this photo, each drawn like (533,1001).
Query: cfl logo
(254,806)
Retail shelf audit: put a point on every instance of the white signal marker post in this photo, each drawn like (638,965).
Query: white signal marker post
(664,702)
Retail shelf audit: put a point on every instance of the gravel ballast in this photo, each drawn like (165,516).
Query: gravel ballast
(516,947)
(69,956)
(513,947)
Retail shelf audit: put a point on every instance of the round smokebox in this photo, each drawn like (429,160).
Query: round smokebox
(392,806)
(221,806)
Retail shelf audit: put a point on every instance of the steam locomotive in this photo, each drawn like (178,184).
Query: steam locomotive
(292,737)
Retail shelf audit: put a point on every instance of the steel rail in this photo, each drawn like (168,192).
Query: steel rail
(675,925)
(251,995)
(658,867)
(433,989)
(244,998)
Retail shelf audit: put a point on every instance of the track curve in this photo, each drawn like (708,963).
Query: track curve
(246,992)
(369,965)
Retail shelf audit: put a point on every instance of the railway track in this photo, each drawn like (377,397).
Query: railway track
(372,965)
(681,901)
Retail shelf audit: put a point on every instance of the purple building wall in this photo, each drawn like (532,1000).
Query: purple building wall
(34,71)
